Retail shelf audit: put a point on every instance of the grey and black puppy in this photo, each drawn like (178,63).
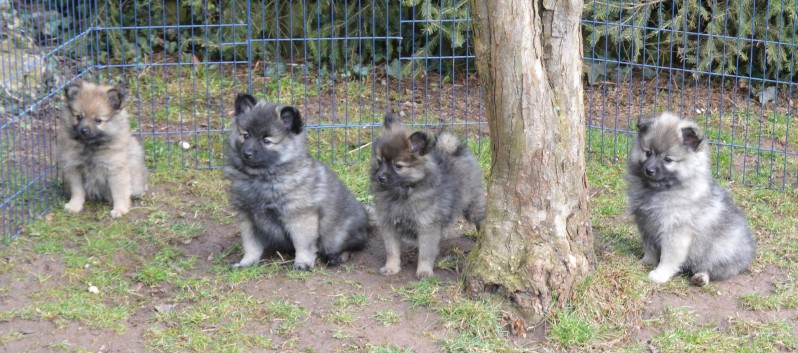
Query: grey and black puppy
(421,185)
(97,156)
(687,221)
(286,200)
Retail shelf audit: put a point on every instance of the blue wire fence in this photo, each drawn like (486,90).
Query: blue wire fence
(343,63)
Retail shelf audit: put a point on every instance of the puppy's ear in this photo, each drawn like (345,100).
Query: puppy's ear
(116,97)
(292,120)
(692,138)
(244,102)
(72,90)
(645,122)
(391,120)
(420,143)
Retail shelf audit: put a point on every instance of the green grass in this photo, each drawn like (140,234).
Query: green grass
(421,293)
(682,333)
(785,297)
(143,260)
(287,316)
(210,325)
(387,349)
(64,304)
(345,307)
(570,330)
(472,317)
(163,267)
(144,253)
(387,317)
(10,337)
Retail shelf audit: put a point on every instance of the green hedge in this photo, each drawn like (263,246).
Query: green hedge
(284,19)
(737,37)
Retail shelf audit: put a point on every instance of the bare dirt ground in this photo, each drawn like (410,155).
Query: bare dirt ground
(720,306)
(418,329)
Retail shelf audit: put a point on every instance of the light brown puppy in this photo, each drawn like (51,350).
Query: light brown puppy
(97,156)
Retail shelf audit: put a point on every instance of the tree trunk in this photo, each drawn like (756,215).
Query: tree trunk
(537,244)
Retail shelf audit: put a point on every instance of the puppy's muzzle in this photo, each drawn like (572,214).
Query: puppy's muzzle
(248,154)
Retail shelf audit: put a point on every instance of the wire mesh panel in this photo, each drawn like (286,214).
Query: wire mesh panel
(35,39)
(727,64)
(342,63)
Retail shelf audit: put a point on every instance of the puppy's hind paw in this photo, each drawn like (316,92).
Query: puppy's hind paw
(700,279)
(335,260)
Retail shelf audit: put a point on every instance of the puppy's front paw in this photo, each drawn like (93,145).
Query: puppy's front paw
(73,206)
(118,212)
(249,259)
(659,276)
(303,266)
(421,274)
(242,264)
(389,270)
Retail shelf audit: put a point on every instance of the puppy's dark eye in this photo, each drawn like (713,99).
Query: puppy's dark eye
(668,159)
(245,135)
(78,117)
(398,166)
(648,153)
(98,120)
(266,140)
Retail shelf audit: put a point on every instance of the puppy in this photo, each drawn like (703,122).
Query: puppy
(421,185)
(286,200)
(688,223)
(97,156)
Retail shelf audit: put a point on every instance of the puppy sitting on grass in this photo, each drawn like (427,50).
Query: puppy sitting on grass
(97,156)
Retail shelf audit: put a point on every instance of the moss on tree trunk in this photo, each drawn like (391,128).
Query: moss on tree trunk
(537,244)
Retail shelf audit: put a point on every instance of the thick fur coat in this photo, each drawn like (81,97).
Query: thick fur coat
(688,223)
(286,200)
(97,156)
(421,185)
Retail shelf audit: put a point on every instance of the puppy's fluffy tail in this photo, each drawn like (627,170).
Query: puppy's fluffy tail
(448,143)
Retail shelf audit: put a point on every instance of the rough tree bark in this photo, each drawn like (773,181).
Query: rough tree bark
(536,244)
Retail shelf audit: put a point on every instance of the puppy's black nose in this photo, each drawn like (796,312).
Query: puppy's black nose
(650,171)
(248,154)
(84,131)
(382,178)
